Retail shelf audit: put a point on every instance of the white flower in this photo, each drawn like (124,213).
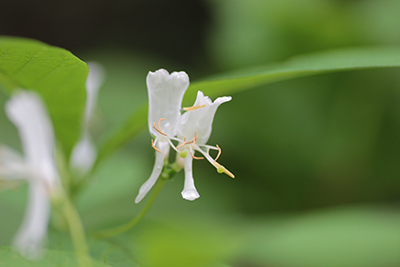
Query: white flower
(191,130)
(84,153)
(196,125)
(27,112)
(165,99)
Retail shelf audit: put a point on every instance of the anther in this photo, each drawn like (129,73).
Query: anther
(184,143)
(194,139)
(193,156)
(219,153)
(159,127)
(194,107)
(153,146)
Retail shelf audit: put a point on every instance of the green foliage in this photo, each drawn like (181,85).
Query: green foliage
(10,258)
(299,66)
(354,236)
(183,244)
(300,144)
(55,74)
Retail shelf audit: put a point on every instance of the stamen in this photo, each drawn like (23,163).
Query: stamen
(219,153)
(228,173)
(159,127)
(218,166)
(159,121)
(194,107)
(194,139)
(153,146)
(193,156)
(183,143)
(222,169)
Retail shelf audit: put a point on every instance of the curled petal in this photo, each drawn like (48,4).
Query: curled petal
(158,166)
(199,121)
(31,235)
(165,98)
(189,191)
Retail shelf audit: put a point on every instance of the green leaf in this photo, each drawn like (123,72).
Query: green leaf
(109,253)
(134,124)
(55,74)
(300,66)
(354,236)
(10,258)
(184,243)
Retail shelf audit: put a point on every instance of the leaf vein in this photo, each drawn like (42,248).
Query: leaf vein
(23,66)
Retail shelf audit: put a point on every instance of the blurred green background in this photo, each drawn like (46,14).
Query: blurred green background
(316,159)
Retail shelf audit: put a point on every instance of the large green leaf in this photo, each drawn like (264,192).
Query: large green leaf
(55,74)
(226,84)
(9,258)
(300,66)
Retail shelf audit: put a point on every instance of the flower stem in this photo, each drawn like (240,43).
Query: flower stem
(125,227)
(77,234)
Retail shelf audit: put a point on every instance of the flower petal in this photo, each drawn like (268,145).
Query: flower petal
(83,155)
(158,166)
(31,235)
(165,98)
(199,121)
(94,81)
(189,191)
(27,112)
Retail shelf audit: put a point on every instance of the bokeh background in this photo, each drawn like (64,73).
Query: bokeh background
(316,159)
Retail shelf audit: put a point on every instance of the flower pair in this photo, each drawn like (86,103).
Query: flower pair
(190,130)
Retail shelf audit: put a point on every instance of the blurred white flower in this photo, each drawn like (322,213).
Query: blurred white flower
(27,112)
(84,153)
(191,130)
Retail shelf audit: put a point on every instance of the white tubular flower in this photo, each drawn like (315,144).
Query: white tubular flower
(191,130)
(196,125)
(84,153)
(27,112)
(165,99)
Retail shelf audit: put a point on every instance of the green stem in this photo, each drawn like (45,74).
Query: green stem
(77,234)
(125,227)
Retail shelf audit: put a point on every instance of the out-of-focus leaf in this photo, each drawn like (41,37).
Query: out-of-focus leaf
(116,185)
(341,237)
(304,65)
(111,252)
(9,258)
(134,124)
(55,74)
(184,243)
